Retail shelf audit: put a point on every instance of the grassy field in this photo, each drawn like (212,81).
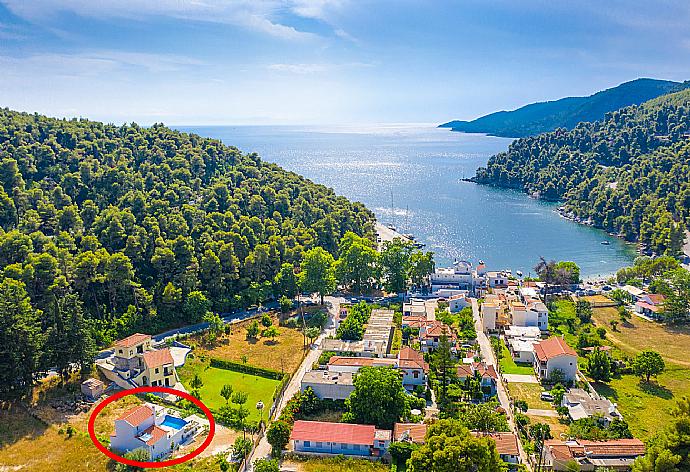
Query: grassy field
(336,464)
(508,365)
(530,392)
(257,388)
(556,426)
(284,354)
(646,407)
(639,334)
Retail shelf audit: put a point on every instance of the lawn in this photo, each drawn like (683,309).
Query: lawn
(639,334)
(284,354)
(508,365)
(556,426)
(336,464)
(257,388)
(530,392)
(646,408)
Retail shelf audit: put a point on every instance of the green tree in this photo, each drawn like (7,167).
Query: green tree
(216,325)
(139,454)
(278,436)
(583,310)
(266,320)
(449,447)
(69,338)
(357,266)
(266,465)
(253,329)
(312,333)
(285,304)
(285,281)
(20,336)
(395,265)
(226,392)
(677,305)
(196,306)
(422,265)
(318,273)
(271,332)
(378,398)
(599,366)
(196,383)
(443,363)
(242,447)
(648,364)
(241,413)
(669,450)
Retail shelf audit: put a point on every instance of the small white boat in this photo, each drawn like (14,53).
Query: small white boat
(605,243)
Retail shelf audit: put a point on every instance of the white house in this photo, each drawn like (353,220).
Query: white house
(615,454)
(555,354)
(489,313)
(413,367)
(530,314)
(457,303)
(149,427)
(522,349)
(650,304)
(327,384)
(497,279)
(318,437)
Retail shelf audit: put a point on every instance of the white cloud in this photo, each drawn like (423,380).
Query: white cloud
(259,15)
(315,68)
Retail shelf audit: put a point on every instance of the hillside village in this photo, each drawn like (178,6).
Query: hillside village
(474,350)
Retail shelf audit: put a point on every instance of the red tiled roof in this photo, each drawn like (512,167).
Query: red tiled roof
(156,434)
(614,448)
(656,298)
(132,340)
(359,361)
(506,443)
(552,347)
(158,358)
(343,433)
(136,415)
(415,432)
(436,329)
(652,308)
(411,359)
(485,370)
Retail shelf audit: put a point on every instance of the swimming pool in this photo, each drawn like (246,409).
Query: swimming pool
(173,422)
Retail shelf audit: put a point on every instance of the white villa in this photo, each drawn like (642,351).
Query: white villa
(151,428)
(555,354)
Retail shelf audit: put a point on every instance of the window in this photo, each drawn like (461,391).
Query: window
(319,444)
(346,446)
(157,369)
(415,374)
(307,444)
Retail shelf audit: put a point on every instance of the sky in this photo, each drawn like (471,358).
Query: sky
(205,62)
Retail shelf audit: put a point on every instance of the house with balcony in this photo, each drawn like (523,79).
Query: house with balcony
(485,372)
(411,364)
(152,428)
(319,437)
(554,354)
(134,362)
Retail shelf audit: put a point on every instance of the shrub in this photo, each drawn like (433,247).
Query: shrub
(246,368)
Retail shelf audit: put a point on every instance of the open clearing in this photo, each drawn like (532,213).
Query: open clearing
(638,334)
(284,354)
(530,392)
(257,388)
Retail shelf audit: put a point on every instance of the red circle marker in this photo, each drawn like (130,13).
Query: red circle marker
(151,464)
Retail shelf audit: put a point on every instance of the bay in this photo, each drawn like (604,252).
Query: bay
(411,176)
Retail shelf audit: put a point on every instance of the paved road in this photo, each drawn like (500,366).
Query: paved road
(488,356)
(263,449)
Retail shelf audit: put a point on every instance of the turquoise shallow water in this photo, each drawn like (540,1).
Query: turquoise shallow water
(411,176)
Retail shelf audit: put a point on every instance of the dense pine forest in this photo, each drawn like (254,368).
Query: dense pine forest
(108,230)
(628,173)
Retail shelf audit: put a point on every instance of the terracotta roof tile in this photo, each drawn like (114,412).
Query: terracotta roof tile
(132,340)
(506,443)
(552,347)
(656,298)
(136,415)
(342,433)
(156,434)
(415,432)
(158,358)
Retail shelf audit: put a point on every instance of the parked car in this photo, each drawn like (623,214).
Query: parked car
(607,288)
(546,396)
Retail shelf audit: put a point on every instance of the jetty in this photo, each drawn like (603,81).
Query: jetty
(384,233)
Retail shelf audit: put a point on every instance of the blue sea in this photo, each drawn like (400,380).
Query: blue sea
(411,176)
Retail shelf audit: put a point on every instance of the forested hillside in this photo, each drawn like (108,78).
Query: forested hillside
(107,230)
(566,113)
(628,173)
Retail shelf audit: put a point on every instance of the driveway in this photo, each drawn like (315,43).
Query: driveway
(519,378)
